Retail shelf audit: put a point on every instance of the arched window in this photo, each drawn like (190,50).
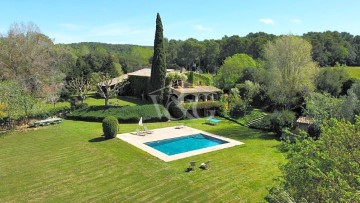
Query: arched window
(189,98)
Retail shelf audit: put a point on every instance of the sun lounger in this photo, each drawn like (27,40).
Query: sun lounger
(212,121)
(147,131)
(180,126)
(204,165)
(191,166)
(140,133)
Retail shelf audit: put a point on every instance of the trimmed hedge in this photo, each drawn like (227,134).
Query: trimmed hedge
(204,79)
(192,109)
(50,112)
(126,114)
(202,105)
(110,127)
(176,111)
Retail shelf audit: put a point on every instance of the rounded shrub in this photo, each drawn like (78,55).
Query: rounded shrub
(280,120)
(176,111)
(110,127)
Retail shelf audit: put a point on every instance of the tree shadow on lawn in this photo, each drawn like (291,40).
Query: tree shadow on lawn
(245,134)
(101,108)
(99,139)
(134,100)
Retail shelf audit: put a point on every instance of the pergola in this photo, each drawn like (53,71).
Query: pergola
(195,94)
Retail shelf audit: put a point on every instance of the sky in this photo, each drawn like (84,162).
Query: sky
(133,21)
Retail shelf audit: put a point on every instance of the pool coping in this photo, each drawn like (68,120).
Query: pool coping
(173,132)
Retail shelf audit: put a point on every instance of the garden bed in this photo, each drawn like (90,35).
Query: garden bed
(126,114)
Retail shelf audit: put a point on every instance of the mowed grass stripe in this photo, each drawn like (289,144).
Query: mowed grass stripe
(126,196)
(146,184)
(157,189)
(51,182)
(62,163)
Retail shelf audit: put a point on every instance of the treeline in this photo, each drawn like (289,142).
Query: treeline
(127,58)
(329,49)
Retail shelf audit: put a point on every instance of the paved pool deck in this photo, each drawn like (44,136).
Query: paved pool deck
(173,132)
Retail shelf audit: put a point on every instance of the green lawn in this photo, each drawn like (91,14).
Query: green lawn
(57,105)
(354,72)
(69,163)
(121,101)
(92,101)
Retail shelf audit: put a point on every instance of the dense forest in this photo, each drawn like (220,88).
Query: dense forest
(329,49)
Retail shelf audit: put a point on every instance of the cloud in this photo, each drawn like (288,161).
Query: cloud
(65,38)
(267,21)
(296,20)
(116,29)
(71,26)
(201,28)
(114,33)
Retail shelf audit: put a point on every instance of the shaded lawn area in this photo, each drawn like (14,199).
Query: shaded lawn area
(121,101)
(71,163)
(92,101)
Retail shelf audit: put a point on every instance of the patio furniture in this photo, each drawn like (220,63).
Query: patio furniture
(181,125)
(140,133)
(204,165)
(47,122)
(191,166)
(147,131)
(212,121)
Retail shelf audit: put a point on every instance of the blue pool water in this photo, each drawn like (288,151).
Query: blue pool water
(184,144)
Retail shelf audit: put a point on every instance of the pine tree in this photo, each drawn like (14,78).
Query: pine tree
(158,68)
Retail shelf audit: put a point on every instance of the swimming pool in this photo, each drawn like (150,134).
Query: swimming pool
(185,143)
(172,134)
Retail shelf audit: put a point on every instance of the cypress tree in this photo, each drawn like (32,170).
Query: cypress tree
(158,68)
(191,78)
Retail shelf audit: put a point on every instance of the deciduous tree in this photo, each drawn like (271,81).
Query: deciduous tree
(248,90)
(325,170)
(232,70)
(190,53)
(322,107)
(331,80)
(81,86)
(109,87)
(15,101)
(26,58)
(290,70)
(211,55)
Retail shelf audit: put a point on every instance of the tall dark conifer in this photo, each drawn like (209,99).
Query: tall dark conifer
(158,68)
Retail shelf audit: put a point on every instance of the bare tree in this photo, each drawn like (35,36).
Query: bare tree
(53,92)
(109,87)
(81,86)
(26,58)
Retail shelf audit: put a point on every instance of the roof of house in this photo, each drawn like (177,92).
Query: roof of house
(114,81)
(196,89)
(304,120)
(145,72)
